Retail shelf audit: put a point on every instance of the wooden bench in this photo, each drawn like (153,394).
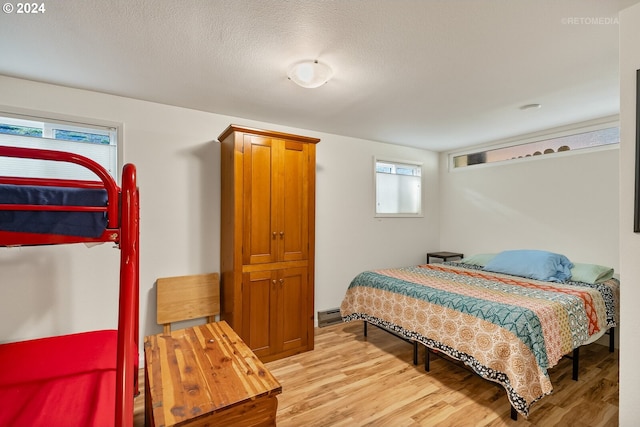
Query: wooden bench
(206,375)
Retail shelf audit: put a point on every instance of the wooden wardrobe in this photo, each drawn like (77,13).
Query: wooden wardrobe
(267,239)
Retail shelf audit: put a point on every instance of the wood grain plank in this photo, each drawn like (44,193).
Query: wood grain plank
(187,297)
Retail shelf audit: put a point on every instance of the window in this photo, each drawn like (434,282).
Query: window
(398,189)
(96,142)
(572,142)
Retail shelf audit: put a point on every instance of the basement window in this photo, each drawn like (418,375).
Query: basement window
(97,142)
(398,188)
(541,147)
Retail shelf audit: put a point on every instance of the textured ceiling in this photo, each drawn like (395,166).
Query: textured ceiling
(437,74)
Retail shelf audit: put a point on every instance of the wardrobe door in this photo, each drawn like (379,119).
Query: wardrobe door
(293,207)
(259,296)
(260,235)
(292,315)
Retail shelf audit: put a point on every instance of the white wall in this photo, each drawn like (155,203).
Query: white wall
(348,237)
(51,290)
(566,203)
(629,241)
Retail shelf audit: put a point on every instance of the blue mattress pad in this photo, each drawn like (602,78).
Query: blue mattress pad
(82,224)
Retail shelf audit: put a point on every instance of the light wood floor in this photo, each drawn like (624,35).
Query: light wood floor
(351,381)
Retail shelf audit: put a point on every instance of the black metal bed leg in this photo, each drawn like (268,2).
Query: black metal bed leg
(576,363)
(414,343)
(426,359)
(514,414)
(612,339)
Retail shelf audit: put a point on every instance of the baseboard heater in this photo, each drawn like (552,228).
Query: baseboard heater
(329,317)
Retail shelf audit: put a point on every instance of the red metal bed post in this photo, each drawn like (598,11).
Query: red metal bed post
(127,362)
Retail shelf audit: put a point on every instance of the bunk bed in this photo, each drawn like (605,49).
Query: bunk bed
(507,328)
(80,379)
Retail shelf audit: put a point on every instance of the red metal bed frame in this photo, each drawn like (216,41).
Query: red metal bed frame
(122,229)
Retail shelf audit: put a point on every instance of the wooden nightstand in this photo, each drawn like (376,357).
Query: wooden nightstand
(445,256)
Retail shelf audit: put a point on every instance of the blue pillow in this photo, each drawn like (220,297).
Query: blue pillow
(533,264)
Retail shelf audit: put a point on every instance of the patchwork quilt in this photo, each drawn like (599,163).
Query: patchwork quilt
(508,329)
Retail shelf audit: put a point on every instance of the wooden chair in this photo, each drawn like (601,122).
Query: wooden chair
(187,297)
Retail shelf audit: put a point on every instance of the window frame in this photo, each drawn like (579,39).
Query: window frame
(73,123)
(559,132)
(385,159)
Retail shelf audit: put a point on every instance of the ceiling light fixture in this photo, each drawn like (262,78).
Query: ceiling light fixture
(310,74)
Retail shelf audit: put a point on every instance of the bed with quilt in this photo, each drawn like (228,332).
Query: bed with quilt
(509,316)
